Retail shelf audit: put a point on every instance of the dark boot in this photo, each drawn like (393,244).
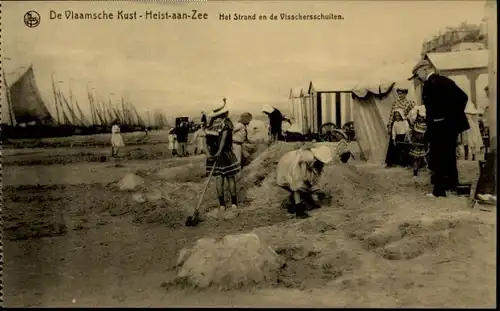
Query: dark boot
(290,205)
(310,203)
(300,211)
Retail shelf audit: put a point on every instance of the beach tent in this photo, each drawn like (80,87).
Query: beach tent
(372,102)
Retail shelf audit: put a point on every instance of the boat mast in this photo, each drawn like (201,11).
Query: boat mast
(9,102)
(56,104)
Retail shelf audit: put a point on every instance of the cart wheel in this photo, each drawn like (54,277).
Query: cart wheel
(330,133)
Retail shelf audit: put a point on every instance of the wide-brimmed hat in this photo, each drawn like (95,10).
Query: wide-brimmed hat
(267,109)
(219,111)
(401,90)
(421,64)
(322,153)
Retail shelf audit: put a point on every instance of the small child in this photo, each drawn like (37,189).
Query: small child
(199,140)
(400,130)
(418,149)
(172,141)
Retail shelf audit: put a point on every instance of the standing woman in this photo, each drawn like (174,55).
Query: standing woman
(472,139)
(116,139)
(406,106)
(219,140)
(199,140)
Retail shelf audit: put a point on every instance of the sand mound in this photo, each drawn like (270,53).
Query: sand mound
(311,250)
(236,261)
(410,239)
(130,182)
(264,164)
(153,200)
(192,172)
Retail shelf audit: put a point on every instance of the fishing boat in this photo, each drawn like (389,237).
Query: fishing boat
(26,115)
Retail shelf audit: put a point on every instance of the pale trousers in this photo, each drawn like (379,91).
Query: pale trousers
(238,151)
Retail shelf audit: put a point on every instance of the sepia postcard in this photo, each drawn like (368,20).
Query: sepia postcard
(286,153)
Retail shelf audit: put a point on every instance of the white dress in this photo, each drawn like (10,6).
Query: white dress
(472,137)
(116,137)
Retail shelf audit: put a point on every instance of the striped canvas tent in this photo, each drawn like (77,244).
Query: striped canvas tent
(372,103)
(307,112)
(301,112)
(330,103)
(296,102)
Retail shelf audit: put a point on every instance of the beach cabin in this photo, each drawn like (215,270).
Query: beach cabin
(330,103)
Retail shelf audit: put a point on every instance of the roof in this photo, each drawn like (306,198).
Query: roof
(459,60)
(330,86)
(381,80)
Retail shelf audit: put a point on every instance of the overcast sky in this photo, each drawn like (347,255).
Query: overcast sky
(187,66)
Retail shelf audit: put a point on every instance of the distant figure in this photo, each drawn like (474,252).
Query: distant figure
(199,140)
(203,118)
(471,139)
(240,135)
(275,123)
(400,131)
(182,133)
(219,144)
(172,141)
(146,130)
(116,139)
(483,122)
(298,172)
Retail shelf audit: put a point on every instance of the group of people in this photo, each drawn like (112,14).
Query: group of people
(178,139)
(446,120)
(298,171)
(406,129)
(432,134)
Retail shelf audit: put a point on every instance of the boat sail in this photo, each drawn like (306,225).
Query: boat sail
(26,102)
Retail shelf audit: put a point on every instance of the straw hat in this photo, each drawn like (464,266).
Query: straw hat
(322,153)
(267,109)
(219,111)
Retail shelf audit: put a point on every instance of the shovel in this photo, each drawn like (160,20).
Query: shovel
(194,219)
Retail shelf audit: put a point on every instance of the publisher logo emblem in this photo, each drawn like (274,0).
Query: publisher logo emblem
(32,19)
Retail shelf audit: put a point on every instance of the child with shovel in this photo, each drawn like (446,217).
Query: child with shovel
(219,140)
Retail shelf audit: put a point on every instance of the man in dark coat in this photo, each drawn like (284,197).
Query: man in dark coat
(275,123)
(182,133)
(445,117)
